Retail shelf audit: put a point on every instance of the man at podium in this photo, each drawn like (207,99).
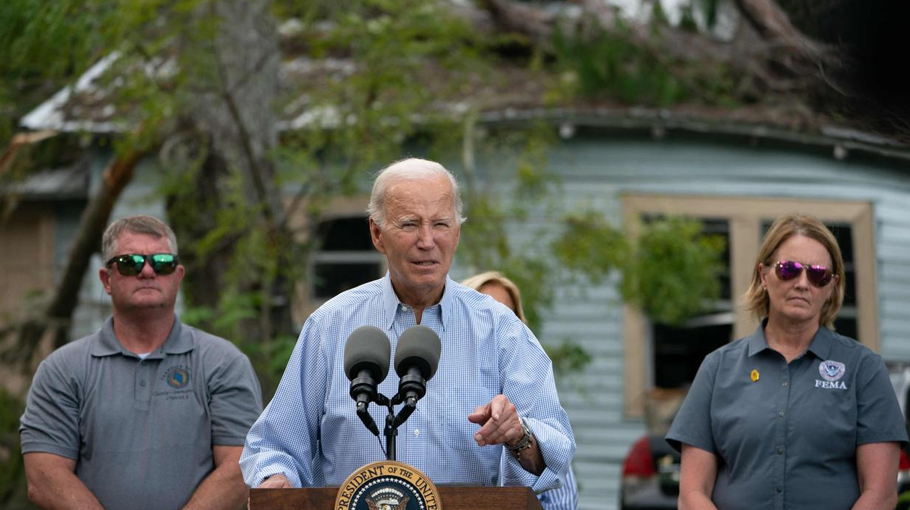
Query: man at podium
(490,416)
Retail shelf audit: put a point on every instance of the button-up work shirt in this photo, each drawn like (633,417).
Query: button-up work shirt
(310,431)
(786,434)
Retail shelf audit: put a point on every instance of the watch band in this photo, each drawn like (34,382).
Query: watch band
(524,443)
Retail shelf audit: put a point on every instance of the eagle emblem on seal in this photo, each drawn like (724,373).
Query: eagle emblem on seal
(383,502)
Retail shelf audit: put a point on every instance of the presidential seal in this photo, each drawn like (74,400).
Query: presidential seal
(388,485)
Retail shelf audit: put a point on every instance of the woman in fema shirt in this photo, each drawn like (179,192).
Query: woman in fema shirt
(794,416)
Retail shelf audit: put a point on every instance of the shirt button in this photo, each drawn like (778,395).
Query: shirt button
(404,308)
(416,432)
(779,490)
(142,383)
(780,451)
(786,384)
(780,413)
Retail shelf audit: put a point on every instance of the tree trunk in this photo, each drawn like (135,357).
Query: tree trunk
(236,115)
(33,339)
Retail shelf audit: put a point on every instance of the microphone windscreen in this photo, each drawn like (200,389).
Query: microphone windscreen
(418,346)
(367,348)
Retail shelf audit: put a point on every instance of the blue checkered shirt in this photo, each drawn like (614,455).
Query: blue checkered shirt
(563,498)
(310,431)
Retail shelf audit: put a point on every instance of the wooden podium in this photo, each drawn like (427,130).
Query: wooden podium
(453,498)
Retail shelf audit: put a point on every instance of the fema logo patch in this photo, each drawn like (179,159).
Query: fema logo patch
(177,377)
(831,370)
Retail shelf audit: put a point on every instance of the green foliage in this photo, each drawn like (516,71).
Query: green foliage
(687,22)
(609,64)
(42,46)
(410,57)
(709,7)
(903,501)
(591,246)
(492,215)
(673,273)
(598,64)
(568,357)
(670,270)
(12,470)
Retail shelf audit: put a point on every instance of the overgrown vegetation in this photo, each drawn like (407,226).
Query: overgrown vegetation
(12,469)
(670,269)
(597,64)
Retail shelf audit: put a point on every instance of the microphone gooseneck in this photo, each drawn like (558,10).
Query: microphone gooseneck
(416,361)
(366,364)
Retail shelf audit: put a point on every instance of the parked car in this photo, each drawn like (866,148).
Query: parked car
(650,475)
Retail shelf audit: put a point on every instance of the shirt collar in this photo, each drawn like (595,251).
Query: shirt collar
(820,345)
(757,340)
(821,342)
(391,302)
(108,345)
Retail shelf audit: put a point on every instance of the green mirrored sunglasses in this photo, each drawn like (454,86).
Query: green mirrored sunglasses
(131,264)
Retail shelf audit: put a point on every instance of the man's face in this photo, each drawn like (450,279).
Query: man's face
(419,238)
(145,290)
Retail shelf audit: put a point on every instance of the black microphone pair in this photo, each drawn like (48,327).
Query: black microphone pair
(366,363)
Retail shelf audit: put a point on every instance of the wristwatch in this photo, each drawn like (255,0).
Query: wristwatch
(524,443)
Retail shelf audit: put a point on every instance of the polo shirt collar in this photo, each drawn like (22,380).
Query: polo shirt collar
(757,341)
(390,302)
(820,345)
(106,343)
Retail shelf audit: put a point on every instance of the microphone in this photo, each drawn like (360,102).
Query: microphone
(416,361)
(366,364)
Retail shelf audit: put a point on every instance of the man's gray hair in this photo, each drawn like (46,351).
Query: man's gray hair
(407,170)
(141,224)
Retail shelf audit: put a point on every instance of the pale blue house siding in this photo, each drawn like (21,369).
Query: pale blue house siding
(595,171)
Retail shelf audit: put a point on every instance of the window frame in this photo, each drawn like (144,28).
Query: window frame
(745,215)
(322,256)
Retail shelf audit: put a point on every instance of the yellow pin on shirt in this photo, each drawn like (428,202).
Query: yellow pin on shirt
(754,375)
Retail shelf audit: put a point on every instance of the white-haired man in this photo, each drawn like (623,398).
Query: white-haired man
(490,416)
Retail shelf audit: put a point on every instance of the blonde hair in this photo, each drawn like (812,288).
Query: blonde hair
(495,277)
(756,299)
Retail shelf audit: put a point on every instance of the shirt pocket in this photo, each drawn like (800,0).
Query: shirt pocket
(461,401)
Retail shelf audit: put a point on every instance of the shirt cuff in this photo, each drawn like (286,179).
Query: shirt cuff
(557,450)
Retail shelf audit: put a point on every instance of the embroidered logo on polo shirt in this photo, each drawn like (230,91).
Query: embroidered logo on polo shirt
(831,372)
(177,377)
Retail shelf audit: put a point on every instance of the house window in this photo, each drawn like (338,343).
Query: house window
(678,350)
(346,257)
(662,357)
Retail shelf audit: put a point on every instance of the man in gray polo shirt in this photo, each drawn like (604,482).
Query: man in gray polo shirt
(148,412)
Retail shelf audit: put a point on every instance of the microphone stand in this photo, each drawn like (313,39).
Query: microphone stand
(391,431)
(392,422)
